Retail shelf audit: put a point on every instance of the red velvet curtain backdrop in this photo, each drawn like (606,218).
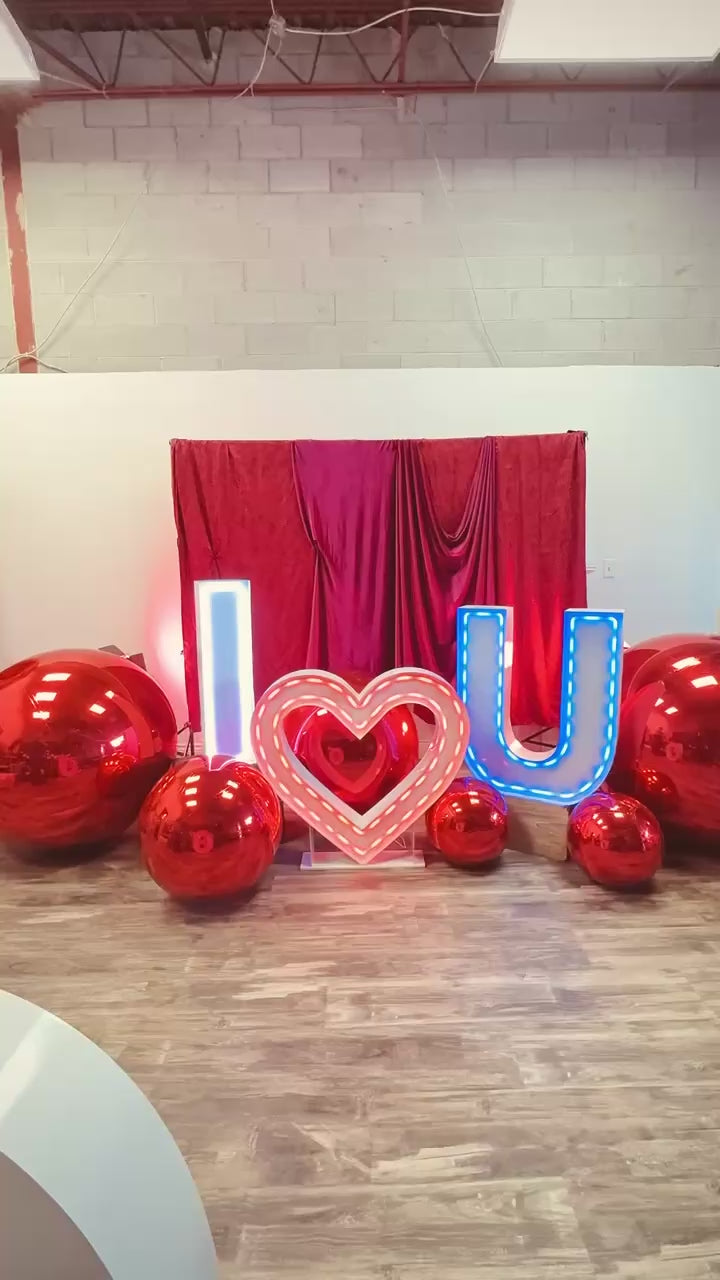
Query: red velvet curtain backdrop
(359,553)
(540,530)
(237,516)
(441,566)
(346,491)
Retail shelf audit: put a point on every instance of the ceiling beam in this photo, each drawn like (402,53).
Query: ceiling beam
(389,90)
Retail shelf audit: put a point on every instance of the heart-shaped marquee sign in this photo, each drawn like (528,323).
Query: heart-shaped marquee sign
(361,836)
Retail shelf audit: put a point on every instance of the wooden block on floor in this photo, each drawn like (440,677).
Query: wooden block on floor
(538,828)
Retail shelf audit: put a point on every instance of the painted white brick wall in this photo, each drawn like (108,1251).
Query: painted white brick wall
(307,232)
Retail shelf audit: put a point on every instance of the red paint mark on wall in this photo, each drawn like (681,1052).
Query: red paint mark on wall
(17,240)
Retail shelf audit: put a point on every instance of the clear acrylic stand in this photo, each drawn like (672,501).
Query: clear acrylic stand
(402,855)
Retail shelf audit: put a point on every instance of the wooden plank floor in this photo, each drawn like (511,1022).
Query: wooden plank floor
(410,1075)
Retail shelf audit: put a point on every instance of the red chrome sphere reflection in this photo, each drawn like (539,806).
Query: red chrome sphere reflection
(615,839)
(636,655)
(84,735)
(207,833)
(668,752)
(263,793)
(265,796)
(469,823)
(359,771)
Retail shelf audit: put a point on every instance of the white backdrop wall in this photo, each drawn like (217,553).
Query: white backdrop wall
(87,537)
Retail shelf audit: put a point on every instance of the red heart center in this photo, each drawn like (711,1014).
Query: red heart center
(360,771)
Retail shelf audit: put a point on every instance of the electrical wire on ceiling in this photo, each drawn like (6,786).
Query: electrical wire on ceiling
(277,26)
(378,22)
(50,75)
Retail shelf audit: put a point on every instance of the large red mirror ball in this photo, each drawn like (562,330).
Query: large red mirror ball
(84,735)
(209,832)
(668,750)
(636,655)
(615,839)
(469,823)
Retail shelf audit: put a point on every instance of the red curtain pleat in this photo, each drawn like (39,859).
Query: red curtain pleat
(449,467)
(346,491)
(540,529)
(359,553)
(237,516)
(445,546)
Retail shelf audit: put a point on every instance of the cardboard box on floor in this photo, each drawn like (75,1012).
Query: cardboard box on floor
(538,828)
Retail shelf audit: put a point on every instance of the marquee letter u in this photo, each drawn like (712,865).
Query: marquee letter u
(589,705)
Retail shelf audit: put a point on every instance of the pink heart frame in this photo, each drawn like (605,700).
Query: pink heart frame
(362,836)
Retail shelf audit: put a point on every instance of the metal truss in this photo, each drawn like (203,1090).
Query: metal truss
(201,59)
(203,73)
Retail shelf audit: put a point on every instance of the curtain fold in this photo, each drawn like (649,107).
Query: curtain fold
(441,566)
(346,492)
(540,529)
(237,516)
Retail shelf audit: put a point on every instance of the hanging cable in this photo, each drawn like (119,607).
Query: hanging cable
(378,22)
(276,26)
(44,341)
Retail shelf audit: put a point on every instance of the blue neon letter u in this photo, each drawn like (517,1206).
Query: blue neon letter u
(589,705)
